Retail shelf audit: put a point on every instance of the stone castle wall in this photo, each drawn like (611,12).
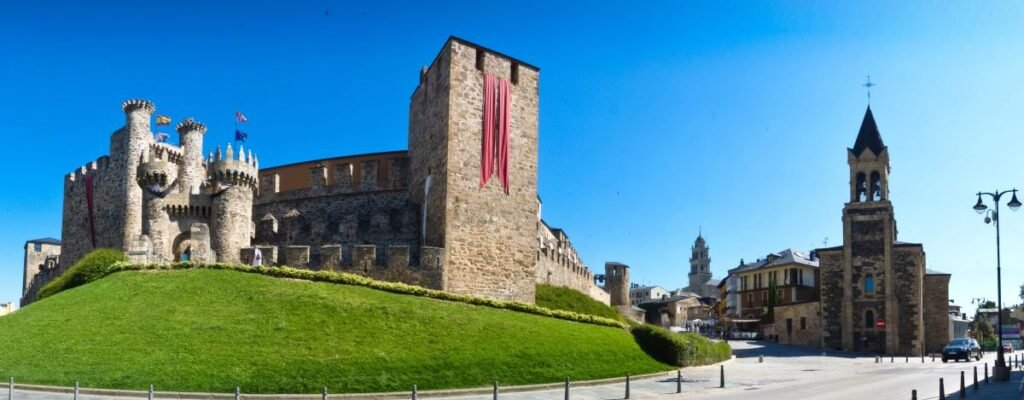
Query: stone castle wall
(42,264)
(489,236)
(373,210)
(559,265)
(832,293)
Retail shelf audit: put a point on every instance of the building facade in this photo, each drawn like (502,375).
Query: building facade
(449,213)
(42,263)
(6,308)
(642,294)
(876,293)
(794,275)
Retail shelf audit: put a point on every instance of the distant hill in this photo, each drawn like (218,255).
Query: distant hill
(210,330)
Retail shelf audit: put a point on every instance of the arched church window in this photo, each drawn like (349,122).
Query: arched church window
(869,319)
(869,284)
(861,187)
(876,186)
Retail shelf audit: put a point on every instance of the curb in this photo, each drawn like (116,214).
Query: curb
(355,396)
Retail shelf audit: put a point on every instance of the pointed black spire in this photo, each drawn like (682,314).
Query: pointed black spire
(868,137)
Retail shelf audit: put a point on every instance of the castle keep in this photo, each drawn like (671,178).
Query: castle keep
(458,211)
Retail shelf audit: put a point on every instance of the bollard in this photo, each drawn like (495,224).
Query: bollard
(975,377)
(10,389)
(76,390)
(414,395)
(567,388)
(627,387)
(963,393)
(721,380)
(150,392)
(908,358)
(238,393)
(760,358)
(986,373)
(892,359)
(495,390)
(323,395)
(933,357)
(942,390)
(679,381)
(913,394)
(922,358)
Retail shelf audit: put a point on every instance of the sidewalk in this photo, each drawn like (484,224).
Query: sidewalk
(1009,390)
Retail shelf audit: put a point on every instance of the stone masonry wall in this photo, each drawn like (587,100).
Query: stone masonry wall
(831,271)
(804,326)
(39,268)
(339,214)
(559,265)
(429,115)
(490,235)
(936,312)
(908,267)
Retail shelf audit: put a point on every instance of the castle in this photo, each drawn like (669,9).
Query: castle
(458,211)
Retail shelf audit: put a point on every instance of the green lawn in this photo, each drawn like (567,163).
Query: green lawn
(210,330)
(563,298)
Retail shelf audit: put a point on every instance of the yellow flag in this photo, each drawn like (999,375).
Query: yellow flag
(163,120)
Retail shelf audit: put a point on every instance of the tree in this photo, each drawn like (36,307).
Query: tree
(773,298)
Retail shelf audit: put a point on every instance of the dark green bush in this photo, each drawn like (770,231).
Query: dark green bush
(679,349)
(93,266)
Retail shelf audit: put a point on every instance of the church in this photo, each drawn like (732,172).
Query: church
(877,295)
(701,282)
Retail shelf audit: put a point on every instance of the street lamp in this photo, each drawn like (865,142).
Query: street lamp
(1000,372)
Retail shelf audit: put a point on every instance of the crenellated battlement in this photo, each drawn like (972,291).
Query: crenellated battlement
(79,173)
(190,125)
(236,170)
(398,263)
(138,104)
(166,152)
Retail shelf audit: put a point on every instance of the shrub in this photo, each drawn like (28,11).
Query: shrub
(95,265)
(681,350)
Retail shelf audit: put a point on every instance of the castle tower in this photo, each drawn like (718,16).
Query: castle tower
(700,265)
(872,287)
(489,235)
(193,173)
(156,178)
(234,182)
(127,147)
(616,283)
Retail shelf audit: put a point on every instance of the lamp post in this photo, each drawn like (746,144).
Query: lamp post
(1000,371)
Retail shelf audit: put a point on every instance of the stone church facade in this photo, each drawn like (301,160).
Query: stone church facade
(876,293)
(424,216)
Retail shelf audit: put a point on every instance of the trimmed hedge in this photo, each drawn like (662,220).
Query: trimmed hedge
(681,350)
(95,265)
(358,280)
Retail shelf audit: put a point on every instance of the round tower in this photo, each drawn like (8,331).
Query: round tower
(127,147)
(234,182)
(190,138)
(616,283)
(156,176)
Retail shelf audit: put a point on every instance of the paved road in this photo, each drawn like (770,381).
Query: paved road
(796,373)
(786,373)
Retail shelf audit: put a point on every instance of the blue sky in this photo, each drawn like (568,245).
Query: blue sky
(655,119)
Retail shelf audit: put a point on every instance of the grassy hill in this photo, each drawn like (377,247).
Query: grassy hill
(563,298)
(209,330)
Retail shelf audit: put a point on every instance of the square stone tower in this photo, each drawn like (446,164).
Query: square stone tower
(489,236)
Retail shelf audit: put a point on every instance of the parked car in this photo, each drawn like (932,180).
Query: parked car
(1007,347)
(963,348)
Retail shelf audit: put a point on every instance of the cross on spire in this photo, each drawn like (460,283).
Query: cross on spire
(869,85)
